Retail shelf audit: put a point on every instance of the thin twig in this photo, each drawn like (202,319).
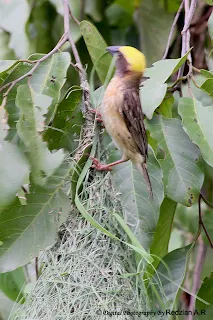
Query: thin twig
(27,61)
(75,66)
(201,224)
(172,30)
(82,73)
(177,81)
(206,201)
(201,253)
(74,18)
(196,69)
(68,12)
(189,13)
(87,131)
(194,81)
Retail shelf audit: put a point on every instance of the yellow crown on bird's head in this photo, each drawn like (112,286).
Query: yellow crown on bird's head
(135,58)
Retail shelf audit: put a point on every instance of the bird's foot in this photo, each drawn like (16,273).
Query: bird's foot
(98,115)
(99,166)
(99,119)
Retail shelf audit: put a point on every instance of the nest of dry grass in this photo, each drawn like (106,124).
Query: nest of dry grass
(84,273)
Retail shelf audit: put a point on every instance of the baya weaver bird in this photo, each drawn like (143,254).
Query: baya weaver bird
(121,111)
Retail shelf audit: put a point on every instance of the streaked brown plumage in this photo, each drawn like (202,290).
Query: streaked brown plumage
(122,117)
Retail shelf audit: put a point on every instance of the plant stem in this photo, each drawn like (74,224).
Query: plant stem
(201,253)
(201,224)
(189,13)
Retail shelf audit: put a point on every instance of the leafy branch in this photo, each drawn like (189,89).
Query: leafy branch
(65,37)
(189,14)
(11,84)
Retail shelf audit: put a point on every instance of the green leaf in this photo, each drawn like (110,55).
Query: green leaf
(132,238)
(168,280)
(206,73)
(48,79)
(153,90)
(12,110)
(205,293)
(159,246)
(151,97)
(27,229)
(207,86)
(181,163)
(198,93)
(210,2)
(197,121)
(43,162)
(66,126)
(163,69)
(11,284)
(96,46)
(154,25)
(78,169)
(6,65)
(165,108)
(9,11)
(14,169)
(140,212)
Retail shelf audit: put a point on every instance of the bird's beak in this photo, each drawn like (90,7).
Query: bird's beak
(113,49)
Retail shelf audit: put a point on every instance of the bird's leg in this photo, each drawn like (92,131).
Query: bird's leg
(105,167)
(98,115)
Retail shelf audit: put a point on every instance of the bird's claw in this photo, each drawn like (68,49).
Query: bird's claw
(98,166)
(99,120)
(98,115)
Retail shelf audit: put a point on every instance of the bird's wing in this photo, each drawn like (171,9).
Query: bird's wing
(131,110)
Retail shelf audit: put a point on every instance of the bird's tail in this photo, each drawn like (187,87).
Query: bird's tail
(143,169)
